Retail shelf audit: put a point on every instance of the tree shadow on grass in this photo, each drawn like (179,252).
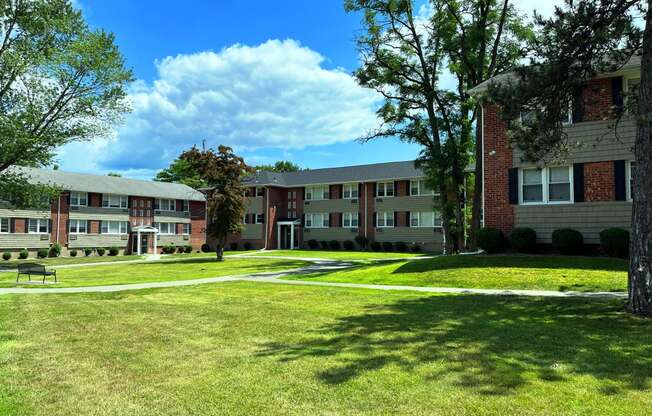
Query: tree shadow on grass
(491,344)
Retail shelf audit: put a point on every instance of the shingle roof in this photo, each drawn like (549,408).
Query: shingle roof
(360,173)
(84,182)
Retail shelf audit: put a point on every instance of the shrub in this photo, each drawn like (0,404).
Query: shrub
(400,246)
(415,248)
(324,245)
(491,240)
(181,249)
(362,241)
(334,245)
(375,246)
(205,248)
(100,251)
(6,256)
(233,246)
(388,246)
(88,252)
(615,242)
(313,244)
(73,253)
(113,251)
(524,239)
(168,249)
(188,249)
(348,245)
(247,245)
(55,250)
(23,254)
(567,241)
(42,253)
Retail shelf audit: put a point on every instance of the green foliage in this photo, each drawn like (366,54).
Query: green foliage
(23,254)
(6,255)
(362,241)
(55,250)
(375,246)
(205,248)
(491,240)
(388,246)
(42,253)
(73,253)
(523,239)
(348,245)
(247,245)
(168,249)
(181,249)
(100,251)
(233,246)
(313,244)
(88,252)
(415,248)
(323,245)
(60,81)
(334,245)
(181,171)
(615,242)
(568,241)
(280,166)
(113,251)
(400,246)
(188,249)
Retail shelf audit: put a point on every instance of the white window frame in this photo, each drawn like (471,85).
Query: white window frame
(545,183)
(385,188)
(387,216)
(75,229)
(348,191)
(436,219)
(159,203)
(75,198)
(420,185)
(261,190)
(185,205)
(170,228)
(567,122)
(123,227)
(351,218)
(628,178)
(39,222)
(123,201)
(317,193)
(317,220)
(185,228)
(262,220)
(5,224)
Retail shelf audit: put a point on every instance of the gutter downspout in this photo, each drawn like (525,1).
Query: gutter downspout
(365,210)
(483,166)
(266,216)
(58,216)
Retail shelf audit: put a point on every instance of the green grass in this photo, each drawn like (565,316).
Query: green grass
(60,261)
(247,348)
(192,268)
(337,255)
(491,272)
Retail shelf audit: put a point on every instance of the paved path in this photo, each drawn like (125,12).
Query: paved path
(318,266)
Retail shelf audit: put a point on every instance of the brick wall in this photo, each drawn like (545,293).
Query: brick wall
(197,224)
(20,225)
(402,188)
(599,181)
(368,194)
(277,209)
(59,212)
(497,161)
(597,100)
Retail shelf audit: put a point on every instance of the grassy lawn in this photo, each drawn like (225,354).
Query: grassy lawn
(491,272)
(180,269)
(338,255)
(246,348)
(60,261)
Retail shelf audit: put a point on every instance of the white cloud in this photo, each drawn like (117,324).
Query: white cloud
(276,95)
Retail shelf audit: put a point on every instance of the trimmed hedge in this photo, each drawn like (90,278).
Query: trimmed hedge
(88,252)
(169,249)
(323,245)
(568,241)
(375,246)
(42,253)
(362,241)
(401,246)
(23,254)
(188,249)
(247,245)
(6,256)
(524,239)
(334,245)
(205,248)
(113,251)
(233,246)
(313,244)
(415,248)
(491,240)
(348,245)
(73,253)
(100,251)
(388,246)
(55,250)
(615,242)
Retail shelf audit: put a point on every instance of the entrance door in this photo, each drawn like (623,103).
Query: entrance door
(285,237)
(144,244)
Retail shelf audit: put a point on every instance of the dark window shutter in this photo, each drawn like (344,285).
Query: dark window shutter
(513,186)
(396,188)
(99,227)
(26,223)
(360,190)
(340,219)
(578,182)
(68,199)
(359,219)
(50,226)
(620,180)
(407,218)
(374,220)
(374,189)
(189,228)
(578,106)
(341,191)
(88,227)
(67,226)
(395,218)
(617,93)
(12,225)
(303,220)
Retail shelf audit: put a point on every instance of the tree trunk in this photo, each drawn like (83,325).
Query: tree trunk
(476,207)
(640,263)
(219,249)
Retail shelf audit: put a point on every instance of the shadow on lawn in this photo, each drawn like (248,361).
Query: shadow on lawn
(494,345)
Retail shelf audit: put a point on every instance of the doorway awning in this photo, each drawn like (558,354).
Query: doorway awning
(144,229)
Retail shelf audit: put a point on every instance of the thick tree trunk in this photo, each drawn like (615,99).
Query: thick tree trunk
(476,207)
(640,263)
(219,249)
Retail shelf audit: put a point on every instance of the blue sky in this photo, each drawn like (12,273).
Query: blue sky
(271,79)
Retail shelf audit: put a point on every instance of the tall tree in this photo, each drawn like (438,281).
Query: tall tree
(582,39)
(59,82)
(481,39)
(223,171)
(181,171)
(279,166)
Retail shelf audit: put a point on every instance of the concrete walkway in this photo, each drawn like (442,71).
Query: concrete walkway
(318,266)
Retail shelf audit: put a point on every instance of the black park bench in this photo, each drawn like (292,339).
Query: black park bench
(35,269)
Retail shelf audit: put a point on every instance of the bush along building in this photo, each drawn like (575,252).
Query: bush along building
(590,190)
(103,212)
(385,204)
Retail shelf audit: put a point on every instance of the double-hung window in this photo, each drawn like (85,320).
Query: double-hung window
(260,191)
(114,201)
(425,219)
(77,227)
(185,229)
(78,199)
(350,220)
(350,191)
(38,225)
(384,189)
(418,187)
(630,179)
(384,219)
(260,218)
(546,186)
(185,205)
(4,225)
(115,227)
(317,193)
(165,205)
(166,228)
(317,220)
